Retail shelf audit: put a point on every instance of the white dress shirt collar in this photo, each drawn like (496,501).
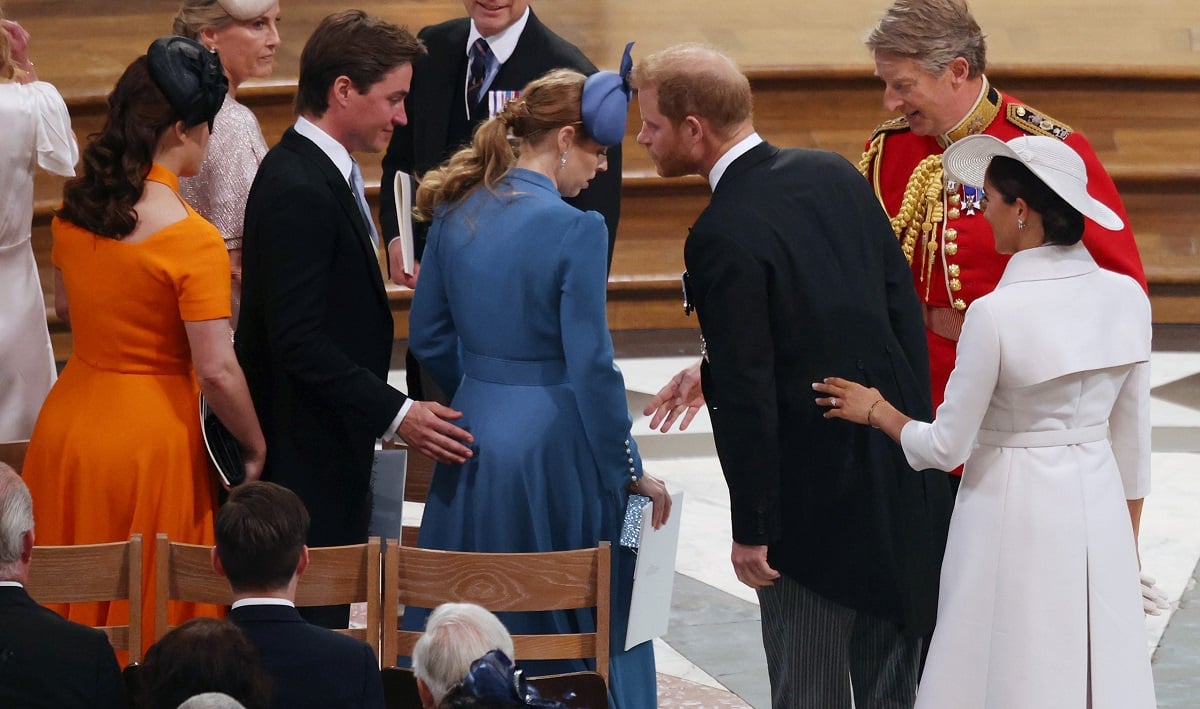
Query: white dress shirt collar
(328,145)
(504,42)
(13,584)
(722,164)
(263,601)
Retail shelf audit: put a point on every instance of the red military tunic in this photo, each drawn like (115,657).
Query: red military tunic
(943,232)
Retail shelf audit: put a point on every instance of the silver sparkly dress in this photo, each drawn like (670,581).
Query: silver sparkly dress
(218,192)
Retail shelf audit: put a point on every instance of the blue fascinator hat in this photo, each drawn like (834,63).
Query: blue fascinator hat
(189,76)
(494,680)
(606,97)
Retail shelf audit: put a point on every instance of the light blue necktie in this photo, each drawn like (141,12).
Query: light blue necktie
(360,196)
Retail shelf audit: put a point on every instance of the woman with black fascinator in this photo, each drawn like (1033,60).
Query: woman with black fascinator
(144,282)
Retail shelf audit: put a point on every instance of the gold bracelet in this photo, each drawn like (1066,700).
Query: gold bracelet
(872,409)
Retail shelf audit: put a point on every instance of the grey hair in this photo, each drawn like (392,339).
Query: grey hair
(933,32)
(16,518)
(212,700)
(456,635)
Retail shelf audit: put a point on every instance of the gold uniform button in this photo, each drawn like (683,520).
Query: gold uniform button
(950,234)
(954,270)
(954,200)
(955,284)
(951,249)
(953,213)
(959,304)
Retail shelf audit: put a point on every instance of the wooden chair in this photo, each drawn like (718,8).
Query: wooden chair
(577,690)
(335,575)
(13,453)
(84,573)
(558,580)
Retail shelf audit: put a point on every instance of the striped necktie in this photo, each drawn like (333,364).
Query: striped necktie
(482,60)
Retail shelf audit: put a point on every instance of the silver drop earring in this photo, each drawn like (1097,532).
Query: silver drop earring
(562,162)
(1020,223)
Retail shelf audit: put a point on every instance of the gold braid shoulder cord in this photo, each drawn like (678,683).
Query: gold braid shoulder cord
(921,208)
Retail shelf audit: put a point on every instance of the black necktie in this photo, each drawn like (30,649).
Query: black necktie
(481,61)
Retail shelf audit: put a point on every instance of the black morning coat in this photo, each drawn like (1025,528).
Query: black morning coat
(796,275)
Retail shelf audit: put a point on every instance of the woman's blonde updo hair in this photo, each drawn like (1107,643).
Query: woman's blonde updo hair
(195,15)
(545,105)
(9,71)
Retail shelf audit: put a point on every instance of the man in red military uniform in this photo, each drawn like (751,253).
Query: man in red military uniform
(930,55)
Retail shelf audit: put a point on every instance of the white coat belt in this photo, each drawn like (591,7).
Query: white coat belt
(1043,439)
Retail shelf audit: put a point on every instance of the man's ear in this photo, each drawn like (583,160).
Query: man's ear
(693,128)
(303,563)
(339,91)
(960,70)
(426,696)
(27,541)
(216,563)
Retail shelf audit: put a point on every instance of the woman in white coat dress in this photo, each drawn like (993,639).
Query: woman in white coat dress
(1048,404)
(36,132)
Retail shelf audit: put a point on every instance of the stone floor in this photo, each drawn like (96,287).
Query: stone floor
(712,654)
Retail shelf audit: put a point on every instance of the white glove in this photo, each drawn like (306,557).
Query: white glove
(1154,601)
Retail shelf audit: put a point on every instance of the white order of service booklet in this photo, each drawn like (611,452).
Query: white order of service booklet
(403,191)
(654,577)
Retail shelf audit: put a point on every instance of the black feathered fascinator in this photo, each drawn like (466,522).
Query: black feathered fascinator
(190,76)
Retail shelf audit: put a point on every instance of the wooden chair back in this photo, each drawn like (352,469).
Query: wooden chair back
(83,573)
(13,453)
(335,575)
(559,580)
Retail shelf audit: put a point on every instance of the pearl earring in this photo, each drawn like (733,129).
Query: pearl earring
(1020,223)
(562,162)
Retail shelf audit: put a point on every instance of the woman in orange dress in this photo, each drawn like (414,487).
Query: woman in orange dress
(144,283)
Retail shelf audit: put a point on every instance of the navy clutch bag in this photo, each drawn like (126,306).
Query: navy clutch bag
(224,451)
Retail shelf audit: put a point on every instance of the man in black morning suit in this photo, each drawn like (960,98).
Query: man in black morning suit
(315,334)
(260,549)
(439,123)
(45,660)
(795,275)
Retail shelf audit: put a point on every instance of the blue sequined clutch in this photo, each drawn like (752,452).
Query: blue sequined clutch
(631,528)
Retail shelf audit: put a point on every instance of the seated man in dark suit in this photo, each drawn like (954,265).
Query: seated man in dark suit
(45,660)
(260,549)
(456,634)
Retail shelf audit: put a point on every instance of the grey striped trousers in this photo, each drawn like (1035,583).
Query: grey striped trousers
(818,650)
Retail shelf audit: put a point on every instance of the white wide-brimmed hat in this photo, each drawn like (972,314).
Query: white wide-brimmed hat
(1053,161)
(246,9)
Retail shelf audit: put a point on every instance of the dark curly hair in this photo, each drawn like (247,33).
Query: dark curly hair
(117,159)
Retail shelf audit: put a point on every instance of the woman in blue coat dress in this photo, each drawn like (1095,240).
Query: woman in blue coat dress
(509,319)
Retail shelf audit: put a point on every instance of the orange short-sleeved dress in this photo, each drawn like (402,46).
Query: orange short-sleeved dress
(117,447)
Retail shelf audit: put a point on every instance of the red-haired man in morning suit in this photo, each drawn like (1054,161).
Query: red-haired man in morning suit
(930,55)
